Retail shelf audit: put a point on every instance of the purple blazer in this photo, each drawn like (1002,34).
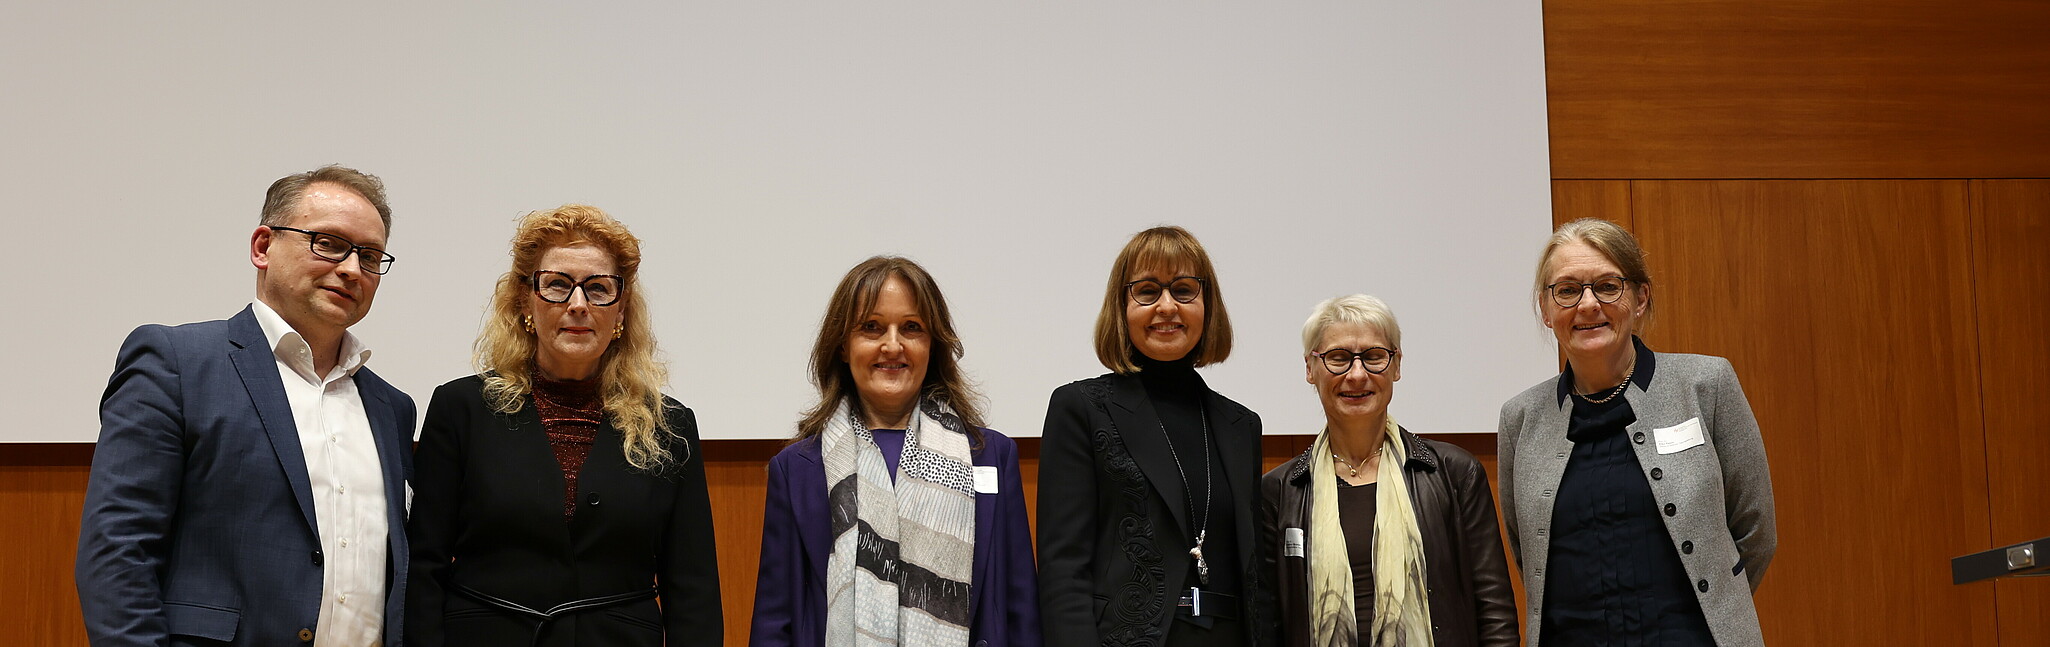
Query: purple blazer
(790,593)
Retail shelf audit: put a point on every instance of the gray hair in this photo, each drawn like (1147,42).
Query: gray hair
(1359,309)
(1613,242)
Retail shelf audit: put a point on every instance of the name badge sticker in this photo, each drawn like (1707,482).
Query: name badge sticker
(985,479)
(1292,542)
(1676,438)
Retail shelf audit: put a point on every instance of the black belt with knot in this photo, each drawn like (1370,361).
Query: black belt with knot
(542,618)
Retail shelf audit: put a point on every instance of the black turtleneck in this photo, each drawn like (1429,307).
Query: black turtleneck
(1177,393)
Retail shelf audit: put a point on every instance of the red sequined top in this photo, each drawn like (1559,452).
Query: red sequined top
(570,413)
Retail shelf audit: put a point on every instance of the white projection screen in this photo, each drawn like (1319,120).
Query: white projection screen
(762,148)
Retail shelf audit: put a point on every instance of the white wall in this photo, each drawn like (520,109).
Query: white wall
(761,148)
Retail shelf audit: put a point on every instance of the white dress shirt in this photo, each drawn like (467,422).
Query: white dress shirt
(348,483)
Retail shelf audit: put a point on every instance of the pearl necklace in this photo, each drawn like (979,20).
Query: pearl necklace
(1616,391)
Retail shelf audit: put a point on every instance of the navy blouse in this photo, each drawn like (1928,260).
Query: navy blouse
(1616,578)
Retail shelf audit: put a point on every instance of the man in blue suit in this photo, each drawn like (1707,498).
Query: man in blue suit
(249,485)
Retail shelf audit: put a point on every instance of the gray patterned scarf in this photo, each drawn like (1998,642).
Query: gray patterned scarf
(902,553)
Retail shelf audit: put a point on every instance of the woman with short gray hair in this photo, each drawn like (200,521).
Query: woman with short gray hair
(1634,484)
(1375,536)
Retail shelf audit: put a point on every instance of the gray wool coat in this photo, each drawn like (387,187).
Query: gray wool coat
(1715,491)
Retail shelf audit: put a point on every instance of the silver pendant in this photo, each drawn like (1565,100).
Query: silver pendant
(1202,567)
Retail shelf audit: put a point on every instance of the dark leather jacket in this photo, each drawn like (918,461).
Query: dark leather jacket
(1468,577)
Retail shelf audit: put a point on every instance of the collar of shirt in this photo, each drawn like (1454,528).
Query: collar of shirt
(1647,363)
(291,348)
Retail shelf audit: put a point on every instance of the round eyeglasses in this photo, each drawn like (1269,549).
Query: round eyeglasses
(1340,360)
(1606,290)
(337,249)
(556,287)
(1146,292)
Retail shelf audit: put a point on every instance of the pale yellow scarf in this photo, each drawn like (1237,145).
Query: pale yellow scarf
(1402,613)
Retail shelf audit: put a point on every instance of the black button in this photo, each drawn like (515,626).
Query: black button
(1702,585)
(1687,548)
(1670,509)
(1637,438)
(305,635)
(316,558)
(591,498)
(1657,473)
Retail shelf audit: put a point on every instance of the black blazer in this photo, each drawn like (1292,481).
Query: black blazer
(1113,540)
(487,515)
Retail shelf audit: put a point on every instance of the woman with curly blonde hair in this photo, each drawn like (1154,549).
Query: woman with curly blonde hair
(558,493)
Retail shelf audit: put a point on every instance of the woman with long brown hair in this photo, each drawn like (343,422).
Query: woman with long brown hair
(895,517)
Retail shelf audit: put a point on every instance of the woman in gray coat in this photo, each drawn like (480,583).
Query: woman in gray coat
(1634,485)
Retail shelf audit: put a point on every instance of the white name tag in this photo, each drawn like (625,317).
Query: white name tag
(1679,437)
(985,479)
(1292,542)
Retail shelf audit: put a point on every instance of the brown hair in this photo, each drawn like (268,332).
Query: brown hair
(851,301)
(285,193)
(1614,242)
(1161,247)
(631,373)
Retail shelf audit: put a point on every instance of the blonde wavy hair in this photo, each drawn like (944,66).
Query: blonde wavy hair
(631,374)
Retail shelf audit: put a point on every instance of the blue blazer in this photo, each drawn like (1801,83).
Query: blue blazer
(790,592)
(198,525)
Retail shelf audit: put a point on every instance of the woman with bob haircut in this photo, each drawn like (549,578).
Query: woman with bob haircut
(1634,485)
(1149,481)
(1376,536)
(895,517)
(558,495)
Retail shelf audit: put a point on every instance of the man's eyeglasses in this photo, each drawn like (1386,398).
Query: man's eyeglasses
(556,287)
(1606,290)
(337,249)
(1183,289)
(1339,360)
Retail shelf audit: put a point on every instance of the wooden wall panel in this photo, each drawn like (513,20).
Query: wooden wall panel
(2012,281)
(42,490)
(737,474)
(1798,89)
(1847,308)
(1605,199)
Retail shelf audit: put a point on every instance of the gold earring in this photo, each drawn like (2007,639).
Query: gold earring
(527,321)
(618,330)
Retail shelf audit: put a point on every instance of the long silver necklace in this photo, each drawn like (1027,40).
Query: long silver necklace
(1203,527)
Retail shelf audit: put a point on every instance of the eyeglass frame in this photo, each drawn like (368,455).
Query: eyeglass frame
(1553,292)
(534,280)
(382,266)
(1202,286)
(1358,357)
